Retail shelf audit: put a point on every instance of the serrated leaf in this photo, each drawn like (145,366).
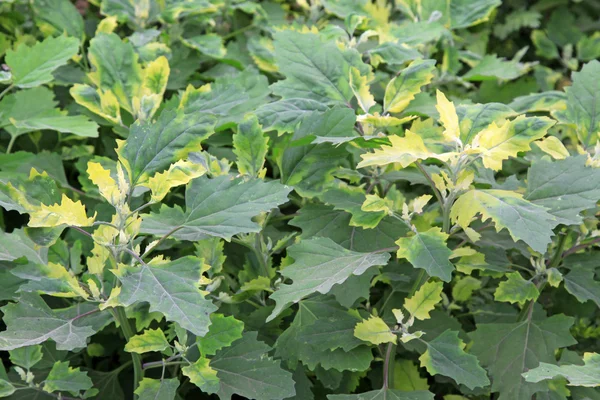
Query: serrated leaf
(152,147)
(33,66)
(402,89)
(179,173)
(374,330)
(492,67)
(57,17)
(524,220)
(587,375)
(222,332)
(333,332)
(209,44)
(428,251)
(360,87)
(424,300)
(202,375)
(244,369)
(407,378)
(154,389)
(63,378)
(238,202)
(352,202)
(31,321)
(509,349)
(445,356)
(149,340)
(320,263)
(473,118)
(67,212)
(516,290)
(582,284)
(448,117)
(564,187)
(464,288)
(170,288)
(499,142)
(286,114)
(250,146)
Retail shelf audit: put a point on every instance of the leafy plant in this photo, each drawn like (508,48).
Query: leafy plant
(299,200)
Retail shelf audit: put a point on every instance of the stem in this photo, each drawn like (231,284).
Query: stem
(6,90)
(134,255)
(11,143)
(386,365)
(558,253)
(128,332)
(437,193)
(581,246)
(162,239)
(237,32)
(78,229)
(162,364)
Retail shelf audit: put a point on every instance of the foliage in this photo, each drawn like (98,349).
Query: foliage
(272,200)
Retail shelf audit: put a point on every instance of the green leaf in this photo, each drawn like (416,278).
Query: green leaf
(424,300)
(463,289)
(57,17)
(63,378)
(16,244)
(465,13)
(384,394)
(245,369)
(352,201)
(583,103)
(220,207)
(320,263)
(407,378)
(26,357)
(152,147)
(150,340)
(473,118)
(551,100)
(31,321)
(33,66)
(154,389)
(403,88)
(445,356)
(507,350)
(516,290)
(524,220)
(336,331)
(582,284)
(577,375)
(250,146)
(6,388)
(222,332)
(284,115)
(170,288)
(565,187)
(492,67)
(209,44)
(314,68)
(374,330)
(428,251)
(202,375)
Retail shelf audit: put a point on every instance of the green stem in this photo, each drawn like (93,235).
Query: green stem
(6,90)
(558,253)
(128,332)
(391,349)
(11,143)
(237,32)
(160,364)
(437,193)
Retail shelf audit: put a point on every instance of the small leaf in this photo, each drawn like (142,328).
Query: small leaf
(374,330)
(26,357)
(154,389)
(150,340)
(448,117)
(209,44)
(250,146)
(179,173)
(202,375)
(67,212)
(554,147)
(445,356)
(516,290)
(582,284)
(360,88)
(63,378)
(424,300)
(428,250)
(222,332)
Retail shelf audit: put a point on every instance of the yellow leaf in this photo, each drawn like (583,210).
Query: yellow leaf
(97,260)
(383,121)
(424,300)
(108,187)
(374,330)
(419,203)
(403,150)
(554,147)
(107,25)
(374,203)
(179,173)
(360,88)
(103,103)
(154,83)
(66,212)
(448,118)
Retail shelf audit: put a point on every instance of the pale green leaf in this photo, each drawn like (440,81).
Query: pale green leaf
(149,340)
(63,378)
(352,201)
(406,377)
(222,332)
(320,263)
(424,300)
(26,357)
(57,17)
(33,66)
(428,251)
(202,375)
(209,44)
(516,290)
(250,146)
(155,389)
(587,375)
(374,330)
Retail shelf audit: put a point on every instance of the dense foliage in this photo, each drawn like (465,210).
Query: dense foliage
(328,199)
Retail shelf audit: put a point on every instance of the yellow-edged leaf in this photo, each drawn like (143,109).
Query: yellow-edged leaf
(179,173)
(448,118)
(424,300)
(66,212)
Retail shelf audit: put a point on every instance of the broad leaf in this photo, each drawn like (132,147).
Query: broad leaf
(583,103)
(428,251)
(576,375)
(403,88)
(384,394)
(154,389)
(582,284)
(374,330)
(170,288)
(424,300)
(516,290)
(220,207)
(222,332)
(150,340)
(63,378)
(319,263)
